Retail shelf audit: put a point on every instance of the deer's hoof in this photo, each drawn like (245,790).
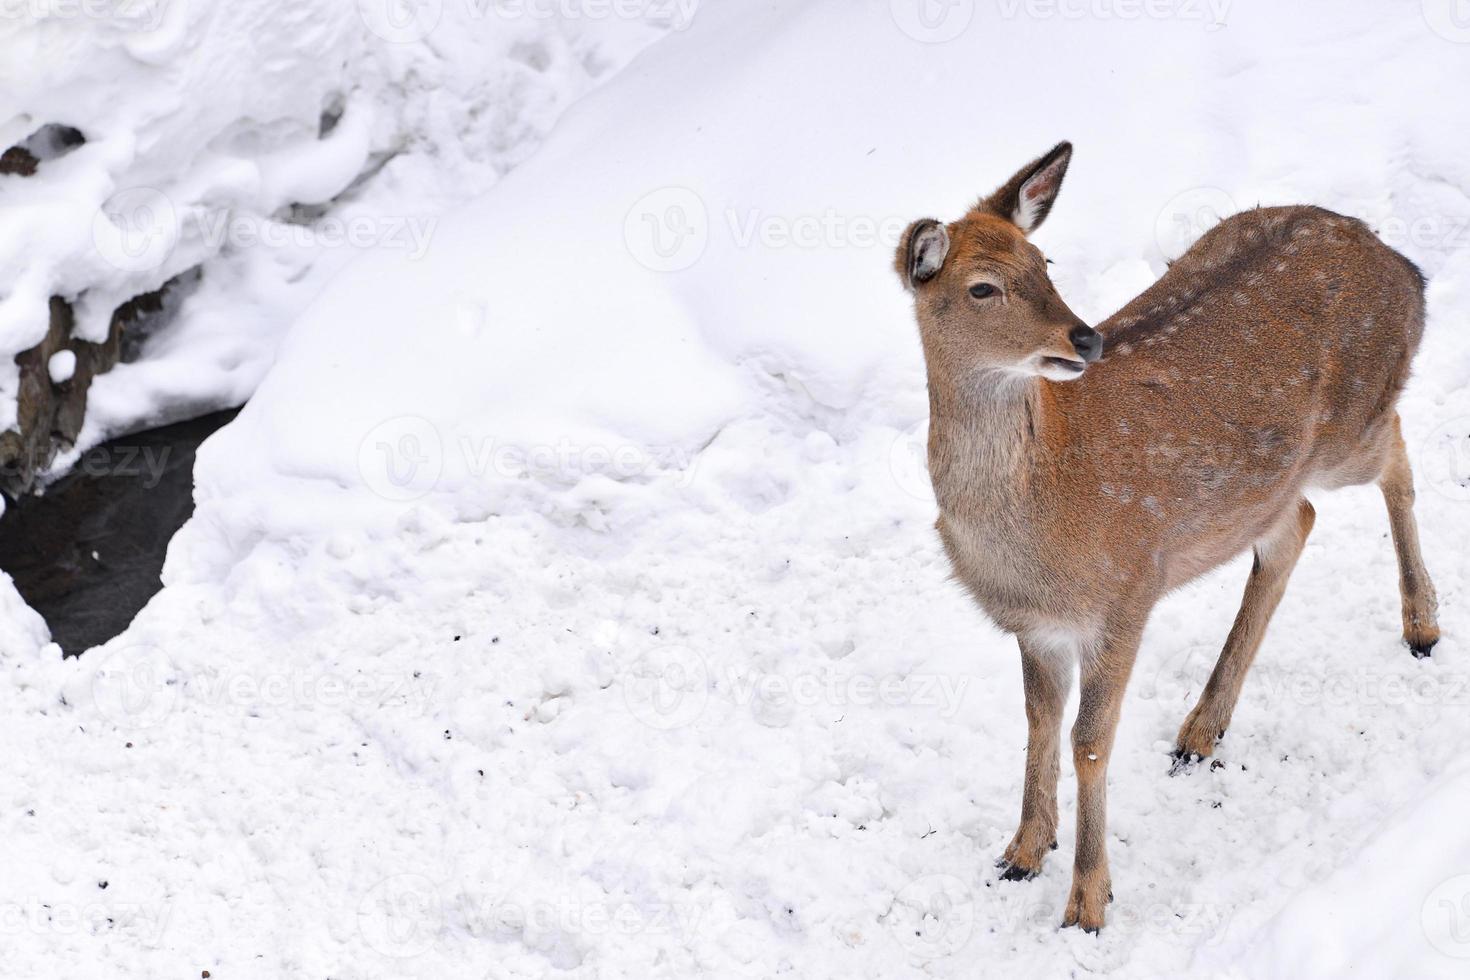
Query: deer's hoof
(1421,651)
(1184,761)
(1017,872)
(1025,855)
(1086,912)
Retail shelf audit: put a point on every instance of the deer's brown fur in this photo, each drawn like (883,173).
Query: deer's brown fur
(1265,362)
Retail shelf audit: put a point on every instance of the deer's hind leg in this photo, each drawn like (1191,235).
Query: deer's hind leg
(1420,606)
(1276,555)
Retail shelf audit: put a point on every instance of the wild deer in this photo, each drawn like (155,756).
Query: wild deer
(1077,487)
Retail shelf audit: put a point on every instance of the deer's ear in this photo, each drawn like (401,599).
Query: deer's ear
(921,252)
(1026,198)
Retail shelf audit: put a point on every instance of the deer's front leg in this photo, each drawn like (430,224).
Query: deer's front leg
(1104,678)
(1047,674)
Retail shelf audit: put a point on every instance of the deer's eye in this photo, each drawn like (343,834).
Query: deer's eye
(983,290)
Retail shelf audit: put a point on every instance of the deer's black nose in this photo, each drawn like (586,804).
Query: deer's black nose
(1088,342)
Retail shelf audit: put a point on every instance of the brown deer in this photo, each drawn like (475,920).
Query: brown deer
(1076,488)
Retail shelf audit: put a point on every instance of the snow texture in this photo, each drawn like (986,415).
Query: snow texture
(565,602)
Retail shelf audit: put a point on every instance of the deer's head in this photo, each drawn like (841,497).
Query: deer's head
(981,290)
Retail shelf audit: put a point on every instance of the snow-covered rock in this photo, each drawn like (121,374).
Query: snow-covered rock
(262,144)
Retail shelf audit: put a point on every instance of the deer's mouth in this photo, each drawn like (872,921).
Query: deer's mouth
(1062,367)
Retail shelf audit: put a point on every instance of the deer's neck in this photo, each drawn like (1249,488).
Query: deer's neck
(988,435)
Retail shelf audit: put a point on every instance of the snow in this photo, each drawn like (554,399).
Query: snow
(565,601)
(61,366)
(265,145)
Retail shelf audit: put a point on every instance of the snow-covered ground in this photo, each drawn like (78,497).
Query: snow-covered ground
(565,601)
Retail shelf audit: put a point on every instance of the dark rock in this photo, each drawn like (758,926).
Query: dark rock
(49,416)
